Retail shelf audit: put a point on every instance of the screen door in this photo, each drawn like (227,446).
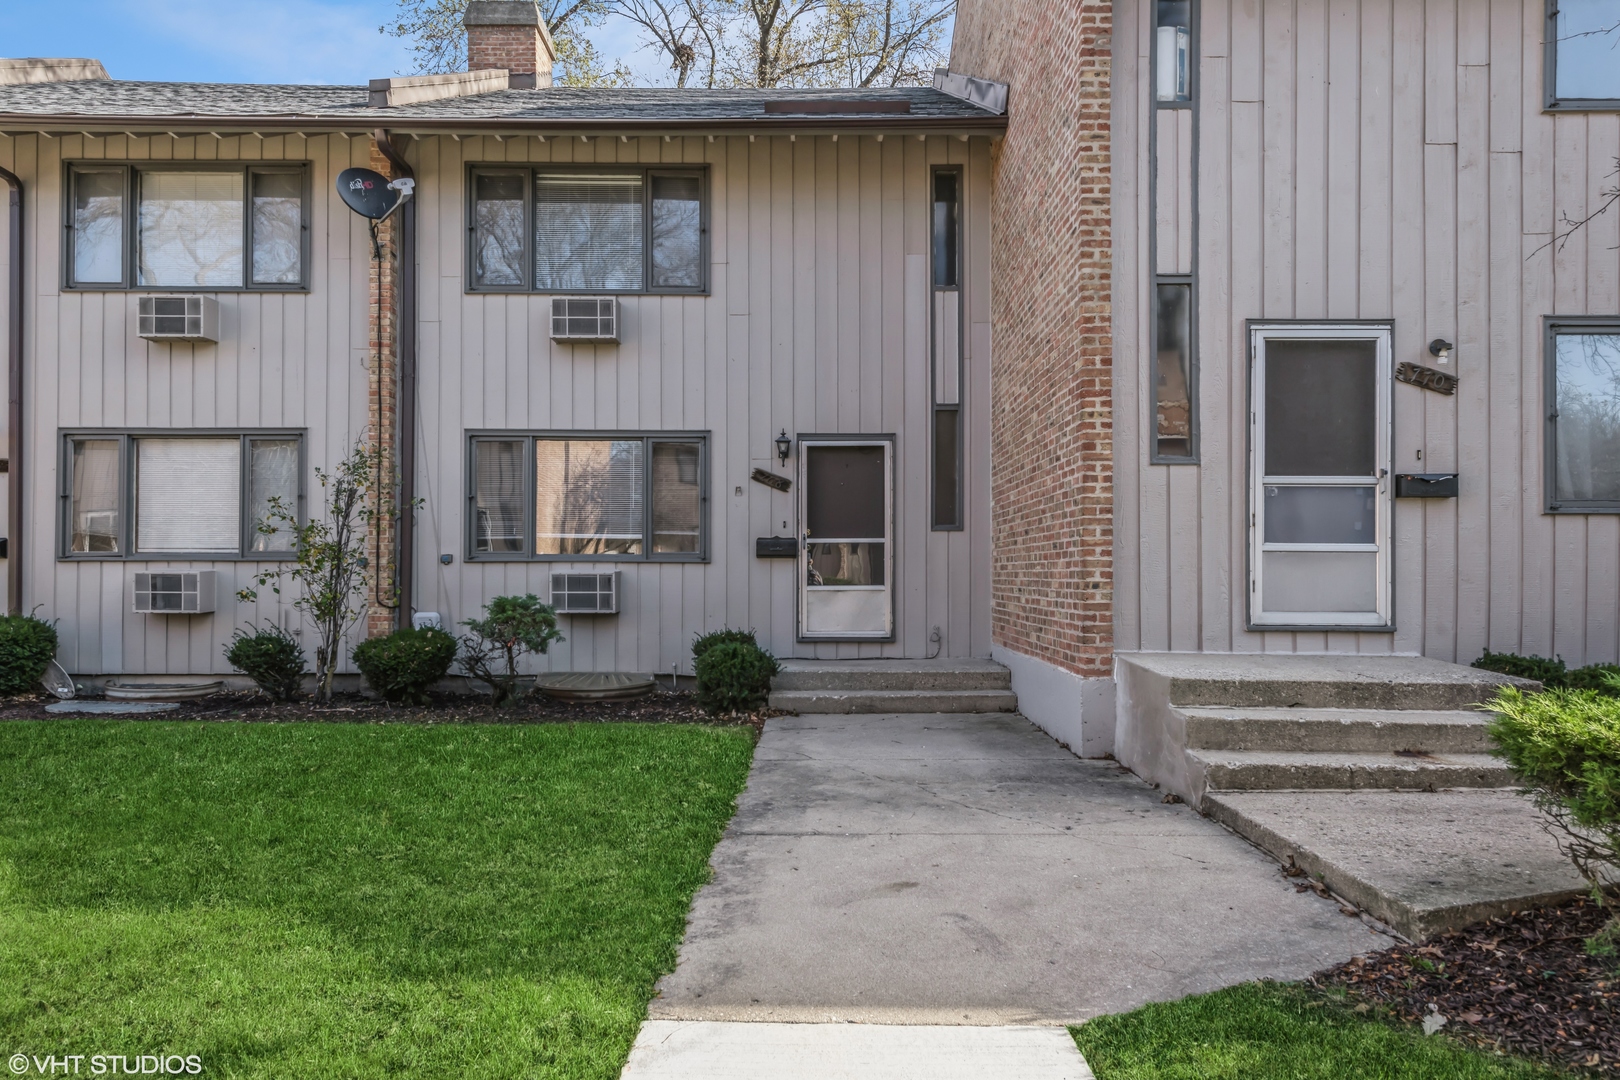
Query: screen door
(846,563)
(1319,527)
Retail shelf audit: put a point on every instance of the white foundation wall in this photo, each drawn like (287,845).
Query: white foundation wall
(1077,711)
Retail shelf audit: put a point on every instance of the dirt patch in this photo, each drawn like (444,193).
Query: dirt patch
(1523,983)
(662,706)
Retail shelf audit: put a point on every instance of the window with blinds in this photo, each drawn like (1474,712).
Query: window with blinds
(181,495)
(587,230)
(608,496)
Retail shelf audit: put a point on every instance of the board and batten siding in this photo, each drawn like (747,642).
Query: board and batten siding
(817,322)
(1373,159)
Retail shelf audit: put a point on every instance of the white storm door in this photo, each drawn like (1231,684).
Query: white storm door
(846,563)
(1319,443)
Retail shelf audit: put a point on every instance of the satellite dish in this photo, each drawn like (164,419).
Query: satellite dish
(56,681)
(368,193)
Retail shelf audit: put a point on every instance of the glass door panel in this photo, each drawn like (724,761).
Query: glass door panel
(846,559)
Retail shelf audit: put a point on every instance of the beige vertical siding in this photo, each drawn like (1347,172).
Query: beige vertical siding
(817,322)
(1374,159)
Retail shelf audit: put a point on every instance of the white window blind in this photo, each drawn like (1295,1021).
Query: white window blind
(498,498)
(191,226)
(188,495)
(589,497)
(588,233)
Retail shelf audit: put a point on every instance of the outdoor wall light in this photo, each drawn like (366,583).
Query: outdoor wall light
(1441,348)
(784,446)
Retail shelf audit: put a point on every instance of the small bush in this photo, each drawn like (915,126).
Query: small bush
(511,626)
(404,664)
(704,642)
(271,657)
(27,646)
(734,676)
(1552,674)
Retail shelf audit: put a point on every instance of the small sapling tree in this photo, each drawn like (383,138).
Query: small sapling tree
(511,626)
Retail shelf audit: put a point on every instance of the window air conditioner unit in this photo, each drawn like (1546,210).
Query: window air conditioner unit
(585,594)
(189,592)
(178,318)
(585,318)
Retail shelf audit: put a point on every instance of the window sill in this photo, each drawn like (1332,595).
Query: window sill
(174,290)
(170,557)
(1608,508)
(474,291)
(1580,105)
(585,559)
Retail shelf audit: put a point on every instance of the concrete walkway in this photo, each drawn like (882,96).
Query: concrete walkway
(966,870)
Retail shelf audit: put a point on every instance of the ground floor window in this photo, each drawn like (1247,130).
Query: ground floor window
(180,494)
(1583,415)
(588,495)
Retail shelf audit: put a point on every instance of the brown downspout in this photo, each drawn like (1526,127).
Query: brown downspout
(406,336)
(14,429)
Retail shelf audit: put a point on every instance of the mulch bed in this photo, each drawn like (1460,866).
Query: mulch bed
(1522,984)
(662,706)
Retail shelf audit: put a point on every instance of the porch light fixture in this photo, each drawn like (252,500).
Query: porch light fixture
(1441,348)
(784,446)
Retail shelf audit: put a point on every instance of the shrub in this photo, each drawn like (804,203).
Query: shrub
(404,664)
(272,658)
(734,676)
(27,646)
(512,626)
(1552,674)
(1564,747)
(704,642)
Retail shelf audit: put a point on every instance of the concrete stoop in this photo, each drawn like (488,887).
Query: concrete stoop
(1372,774)
(893,686)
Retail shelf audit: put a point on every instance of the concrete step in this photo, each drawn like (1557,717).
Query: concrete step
(1422,862)
(1314,681)
(941,674)
(1337,730)
(1255,770)
(894,701)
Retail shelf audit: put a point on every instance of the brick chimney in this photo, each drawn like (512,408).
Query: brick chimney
(509,34)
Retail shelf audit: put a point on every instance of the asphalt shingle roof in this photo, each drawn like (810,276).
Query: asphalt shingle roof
(132,102)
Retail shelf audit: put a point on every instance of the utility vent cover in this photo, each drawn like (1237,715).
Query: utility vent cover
(178,318)
(585,594)
(189,592)
(585,318)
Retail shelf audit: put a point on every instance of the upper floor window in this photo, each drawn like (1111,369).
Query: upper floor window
(180,494)
(1172,51)
(187,227)
(1583,54)
(1583,415)
(588,229)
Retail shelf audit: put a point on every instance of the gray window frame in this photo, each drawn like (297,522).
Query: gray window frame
(646,172)
(1549,73)
(128,508)
(529,437)
(132,171)
(934,523)
(1155,279)
(1552,327)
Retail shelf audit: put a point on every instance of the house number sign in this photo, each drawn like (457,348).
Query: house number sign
(1441,382)
(770,480)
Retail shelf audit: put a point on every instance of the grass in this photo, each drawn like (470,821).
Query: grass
(336,901)
(1271,1031)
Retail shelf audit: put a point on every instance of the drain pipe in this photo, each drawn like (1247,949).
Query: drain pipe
(14,427)
(406,337)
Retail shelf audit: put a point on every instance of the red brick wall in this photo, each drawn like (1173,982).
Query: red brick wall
(515,48)
(382,370)
(1051,470)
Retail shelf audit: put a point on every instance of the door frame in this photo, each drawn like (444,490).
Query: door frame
(1381,331)
(890,446)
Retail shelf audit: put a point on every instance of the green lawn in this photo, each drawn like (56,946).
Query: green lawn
(333,900)
(1267,1031)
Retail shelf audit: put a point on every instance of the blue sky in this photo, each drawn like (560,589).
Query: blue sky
(284,41)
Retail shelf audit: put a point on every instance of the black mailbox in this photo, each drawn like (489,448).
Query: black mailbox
(776,547)
(1439,485)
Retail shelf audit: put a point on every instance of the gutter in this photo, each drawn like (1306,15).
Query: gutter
(14,429)
(809,123)
(405,331)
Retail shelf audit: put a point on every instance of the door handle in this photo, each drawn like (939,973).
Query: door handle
(1383,481)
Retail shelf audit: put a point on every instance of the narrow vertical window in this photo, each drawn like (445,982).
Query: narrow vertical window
(272,494)
(1584,418)
(1172,51)
(278,228)
(498,230)
(498,496)
(677,497)
(93,520)
(677,232)
(1172,372)
(98,226)
(946,256)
